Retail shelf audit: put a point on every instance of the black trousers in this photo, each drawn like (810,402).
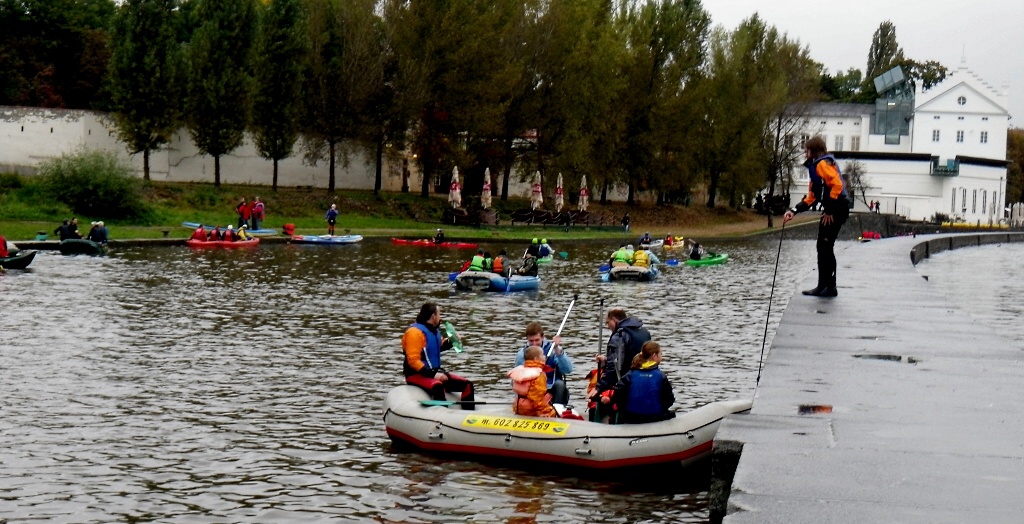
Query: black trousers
(827,235)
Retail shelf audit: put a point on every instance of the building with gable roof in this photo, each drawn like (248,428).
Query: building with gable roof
(922,153)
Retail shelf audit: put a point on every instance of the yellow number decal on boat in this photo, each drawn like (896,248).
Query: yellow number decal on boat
(515,424)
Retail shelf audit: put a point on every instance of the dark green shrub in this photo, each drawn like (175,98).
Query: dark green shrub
(93,183)
(9,181)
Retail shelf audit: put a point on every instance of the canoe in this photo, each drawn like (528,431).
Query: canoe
(325,239)
(709,260)
(80,246)
(426,242)
(252,242)
(19,260)
(631,273)
(258,232)
(487,281)
(492,431)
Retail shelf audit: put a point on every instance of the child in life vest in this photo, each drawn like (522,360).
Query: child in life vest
(530,384)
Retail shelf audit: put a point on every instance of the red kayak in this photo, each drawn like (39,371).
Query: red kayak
(426,242)
(222,243)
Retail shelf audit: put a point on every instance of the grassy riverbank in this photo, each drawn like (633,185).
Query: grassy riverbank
(25,211)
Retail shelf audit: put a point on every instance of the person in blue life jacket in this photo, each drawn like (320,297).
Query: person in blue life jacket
(645,240)
(331,217)
(644,394)
(422,345)
(98,233)
(544,249)
(477,263)
(555,358)
(825,188)
(628,336)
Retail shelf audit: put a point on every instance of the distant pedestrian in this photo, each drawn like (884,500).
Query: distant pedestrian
(258,212)
(826,188)
(625,222)
(243,211)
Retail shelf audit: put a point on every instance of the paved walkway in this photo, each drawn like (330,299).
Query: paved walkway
(912,411)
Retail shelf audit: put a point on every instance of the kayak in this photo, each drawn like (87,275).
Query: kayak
(491,431)
(325,239)
(655,243)
(545,260)
(426,242)
(709,260)
(19,260)
(487,281)
(631,273)
(80,246)
(258,232)
(252,242)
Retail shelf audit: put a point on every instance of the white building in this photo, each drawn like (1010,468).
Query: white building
(937,151)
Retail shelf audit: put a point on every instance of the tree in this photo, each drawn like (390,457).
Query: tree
(1014,173)
(145,76)
(278,67)
(219,80)
(844,87)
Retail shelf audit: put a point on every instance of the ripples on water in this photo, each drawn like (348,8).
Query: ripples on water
(989,291)
(223,386)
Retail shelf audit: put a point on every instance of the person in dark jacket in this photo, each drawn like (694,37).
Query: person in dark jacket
(628,336)
(644,394)
(826,188)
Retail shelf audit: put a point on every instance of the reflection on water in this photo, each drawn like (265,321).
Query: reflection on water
(990,291)
(212,386)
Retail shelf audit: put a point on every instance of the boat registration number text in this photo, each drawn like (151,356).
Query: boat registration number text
(515,424)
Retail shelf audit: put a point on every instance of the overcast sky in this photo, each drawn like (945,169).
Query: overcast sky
(989,33)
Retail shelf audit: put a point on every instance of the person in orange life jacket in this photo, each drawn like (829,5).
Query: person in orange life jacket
(531,386)
(825,187)
(478,262)
(669,240)
(243,210)
(500,263)
(628,336)
(422,344)
(198,234)
(558,362)
(256,210)
(644,394)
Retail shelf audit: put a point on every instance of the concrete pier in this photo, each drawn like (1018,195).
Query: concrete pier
(885,404)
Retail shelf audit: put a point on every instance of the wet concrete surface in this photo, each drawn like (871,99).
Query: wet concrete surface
(888,403)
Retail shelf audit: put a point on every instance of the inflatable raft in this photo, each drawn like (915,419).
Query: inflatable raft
(491,430)
(263,232)
(631,273)
(709,260)
(19,260)
(426,242)
(222,243)
(80,246)
(487,281)
(325,239)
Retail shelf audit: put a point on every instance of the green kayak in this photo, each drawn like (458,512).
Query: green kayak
(709,260)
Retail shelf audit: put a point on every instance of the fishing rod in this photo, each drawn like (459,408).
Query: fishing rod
(771,295)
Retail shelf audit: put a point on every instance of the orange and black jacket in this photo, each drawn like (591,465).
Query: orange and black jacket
(825,186)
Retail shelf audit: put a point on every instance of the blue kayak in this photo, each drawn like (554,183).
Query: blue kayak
(487,281)
(325,239)
(256,232)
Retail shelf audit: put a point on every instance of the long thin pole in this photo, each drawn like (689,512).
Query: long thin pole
(764,341)
(566,317)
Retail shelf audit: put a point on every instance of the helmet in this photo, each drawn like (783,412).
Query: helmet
(534,241)
(438,230)
(544,241)
(229,226)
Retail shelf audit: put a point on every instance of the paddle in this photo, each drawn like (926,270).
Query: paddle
(452,275)
(566,317)
(455,402)
(672,262)
(604,268)
(563,254)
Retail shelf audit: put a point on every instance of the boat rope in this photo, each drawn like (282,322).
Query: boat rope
(764,341)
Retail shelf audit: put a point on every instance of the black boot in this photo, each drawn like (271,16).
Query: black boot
(829,292)
(814,292)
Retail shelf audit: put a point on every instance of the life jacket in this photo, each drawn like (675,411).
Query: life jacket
(229,235)
(543,251)
(640,259)
(257,210)
(489,264)
(551,368)
(522,378)
(645,390)
(669,240)
(620,255)
(432,351)
(198,234)
(498,266)
(215,234)
(477,263)
(820,188)
(3,247)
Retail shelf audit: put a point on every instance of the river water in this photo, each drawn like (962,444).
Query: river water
(178,385)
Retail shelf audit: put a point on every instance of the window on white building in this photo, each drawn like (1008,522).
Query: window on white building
(984,200)
(839,123)
(961,101)
(959,136)
(974,201)
(936,117)
(984,137)
(839,143)
(952,203)
(963,199)
(935,135)
(854,143)
(984,119)
(959,118)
